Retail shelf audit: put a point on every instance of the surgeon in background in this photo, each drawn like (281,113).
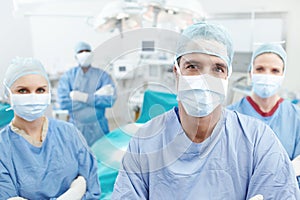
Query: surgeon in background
(201,150)
(86,91)
(41,158)
(267,71)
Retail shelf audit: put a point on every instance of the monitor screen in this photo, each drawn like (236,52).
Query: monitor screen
(122,68)
(147,45)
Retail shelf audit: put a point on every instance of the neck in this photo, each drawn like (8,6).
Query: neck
(85,69)
(199,128)
(34,128)
(265,104)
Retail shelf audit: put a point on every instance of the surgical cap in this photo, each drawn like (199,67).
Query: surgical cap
(23,66)
(269,48)
(207,38)
(82,46)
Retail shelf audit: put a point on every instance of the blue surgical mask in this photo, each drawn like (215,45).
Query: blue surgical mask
(201,94)
(30,106)
(265,85)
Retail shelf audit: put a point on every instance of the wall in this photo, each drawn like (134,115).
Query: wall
(54,39)
(15,38)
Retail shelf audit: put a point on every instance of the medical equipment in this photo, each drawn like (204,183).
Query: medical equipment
(124,69)
(6,114)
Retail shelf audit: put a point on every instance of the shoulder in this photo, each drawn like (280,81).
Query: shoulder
(159,122)
(60,123)
(100,71)
(161,128)
(66,131)
(71,71)
(4,133)
(243,120)
(62,128)
(68,76)
(246,126)
(5,142)
(289,106)
(237,104)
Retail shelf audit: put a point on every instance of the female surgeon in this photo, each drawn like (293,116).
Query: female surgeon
(41,158)
(267,70)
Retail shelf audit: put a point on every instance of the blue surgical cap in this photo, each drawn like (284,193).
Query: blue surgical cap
(23,66)
(82,46)
(207,38)
(269,48)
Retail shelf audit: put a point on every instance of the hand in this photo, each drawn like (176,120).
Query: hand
(257,197)
(79,96)
(76,191)
(296,165)
(106,90)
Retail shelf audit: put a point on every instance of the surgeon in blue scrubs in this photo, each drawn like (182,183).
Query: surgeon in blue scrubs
(40,157)
(201,150)
(267,71)
(86,91)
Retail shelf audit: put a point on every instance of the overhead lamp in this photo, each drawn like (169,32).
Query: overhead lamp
(181,13)
(192,8)
(119,15)
(176,13)
(152,9)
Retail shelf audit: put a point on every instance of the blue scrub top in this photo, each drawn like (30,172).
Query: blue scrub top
(88,117)
(284,121)
(242,158)
(46,172)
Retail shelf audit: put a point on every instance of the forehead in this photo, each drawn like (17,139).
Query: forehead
(271,59)
(30,80)
(201,58)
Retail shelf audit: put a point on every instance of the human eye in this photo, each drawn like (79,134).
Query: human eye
(276,71)
(23,91)
(259,69)
(40,90)
(191,66)
(220,69)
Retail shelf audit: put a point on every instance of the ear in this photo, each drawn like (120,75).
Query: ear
(175,71)
(249,78)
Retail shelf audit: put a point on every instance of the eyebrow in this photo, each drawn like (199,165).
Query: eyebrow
(186,62)
(221,64)
(20,86)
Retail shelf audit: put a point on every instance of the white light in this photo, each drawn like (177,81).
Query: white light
(125,14)
(118,14)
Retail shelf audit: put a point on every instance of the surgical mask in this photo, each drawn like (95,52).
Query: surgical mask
(265,85)
(30,106)
(84,59)
(201,94)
